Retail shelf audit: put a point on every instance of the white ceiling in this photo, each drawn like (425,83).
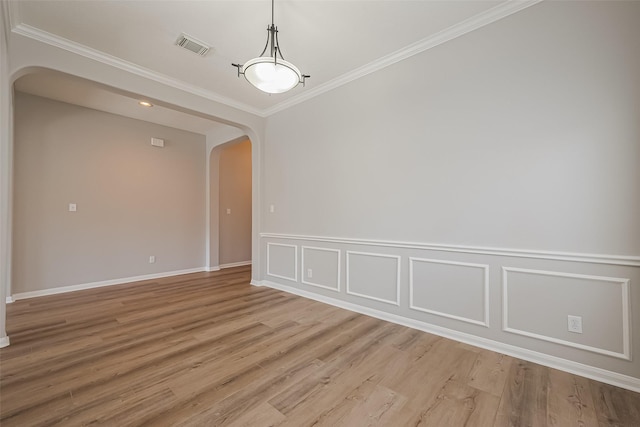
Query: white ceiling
(74,90)
(327,39)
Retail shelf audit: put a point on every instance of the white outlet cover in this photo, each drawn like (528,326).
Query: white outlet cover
(574,324)
(157,142)
(72,207)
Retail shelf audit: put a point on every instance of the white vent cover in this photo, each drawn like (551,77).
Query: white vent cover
(192,44)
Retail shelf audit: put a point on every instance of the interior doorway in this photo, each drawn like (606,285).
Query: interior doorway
(230,204)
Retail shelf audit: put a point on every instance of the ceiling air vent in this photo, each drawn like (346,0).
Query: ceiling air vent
(192,44)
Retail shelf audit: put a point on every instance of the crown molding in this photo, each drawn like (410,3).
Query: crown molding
(478,21)
(105,58)
(494,14)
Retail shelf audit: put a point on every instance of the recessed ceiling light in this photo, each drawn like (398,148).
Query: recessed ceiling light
(145,104)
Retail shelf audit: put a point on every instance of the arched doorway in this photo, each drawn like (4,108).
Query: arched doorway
(230,175)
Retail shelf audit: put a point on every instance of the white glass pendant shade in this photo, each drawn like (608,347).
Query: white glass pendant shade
(271,76)
(271,73)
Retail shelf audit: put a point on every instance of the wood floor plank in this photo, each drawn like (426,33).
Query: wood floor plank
(489,372)
(380,407)
(524,401)
(571,401)
(209,349)
(335,393)
(296,359)
(263,415)
(615,406)
(454,404)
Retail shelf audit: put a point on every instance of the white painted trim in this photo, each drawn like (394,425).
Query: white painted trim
(211,269)
(4,342)
(91,285)
(626,321)
(598,374)
(105,58)
(255,282)
(396,257)
(485,291)
(9,299)
(306,282)
(295,278)
(11,14)
(478,21)
(235,264)
(630,261)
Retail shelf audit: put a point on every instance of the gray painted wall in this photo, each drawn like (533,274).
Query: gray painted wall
(523,135)
(133,200)
(510,136)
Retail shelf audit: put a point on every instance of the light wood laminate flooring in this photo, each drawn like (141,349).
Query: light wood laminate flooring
(208,349)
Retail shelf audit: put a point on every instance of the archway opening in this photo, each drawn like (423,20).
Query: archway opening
(230,175)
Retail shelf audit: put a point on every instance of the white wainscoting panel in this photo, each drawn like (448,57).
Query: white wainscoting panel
(509,300)
(324,266)
(456,290)
(374,276)
(282,261)
(536,304)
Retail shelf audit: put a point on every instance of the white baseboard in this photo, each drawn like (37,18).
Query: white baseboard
(63,289)
(4,341)
(229,265)
(9,300)
(235,264)
(256,282)
(598,374)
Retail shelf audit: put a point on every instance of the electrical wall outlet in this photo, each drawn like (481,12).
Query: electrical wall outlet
(575,324)
(309,273)
(152,259)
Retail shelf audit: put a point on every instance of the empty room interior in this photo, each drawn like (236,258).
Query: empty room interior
(394,213)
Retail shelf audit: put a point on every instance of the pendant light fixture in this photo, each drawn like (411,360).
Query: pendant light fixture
(271,73)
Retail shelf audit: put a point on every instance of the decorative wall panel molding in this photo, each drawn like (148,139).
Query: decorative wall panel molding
(282,261)
(377,280)
(539,307)
(450,283)
(333,281)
